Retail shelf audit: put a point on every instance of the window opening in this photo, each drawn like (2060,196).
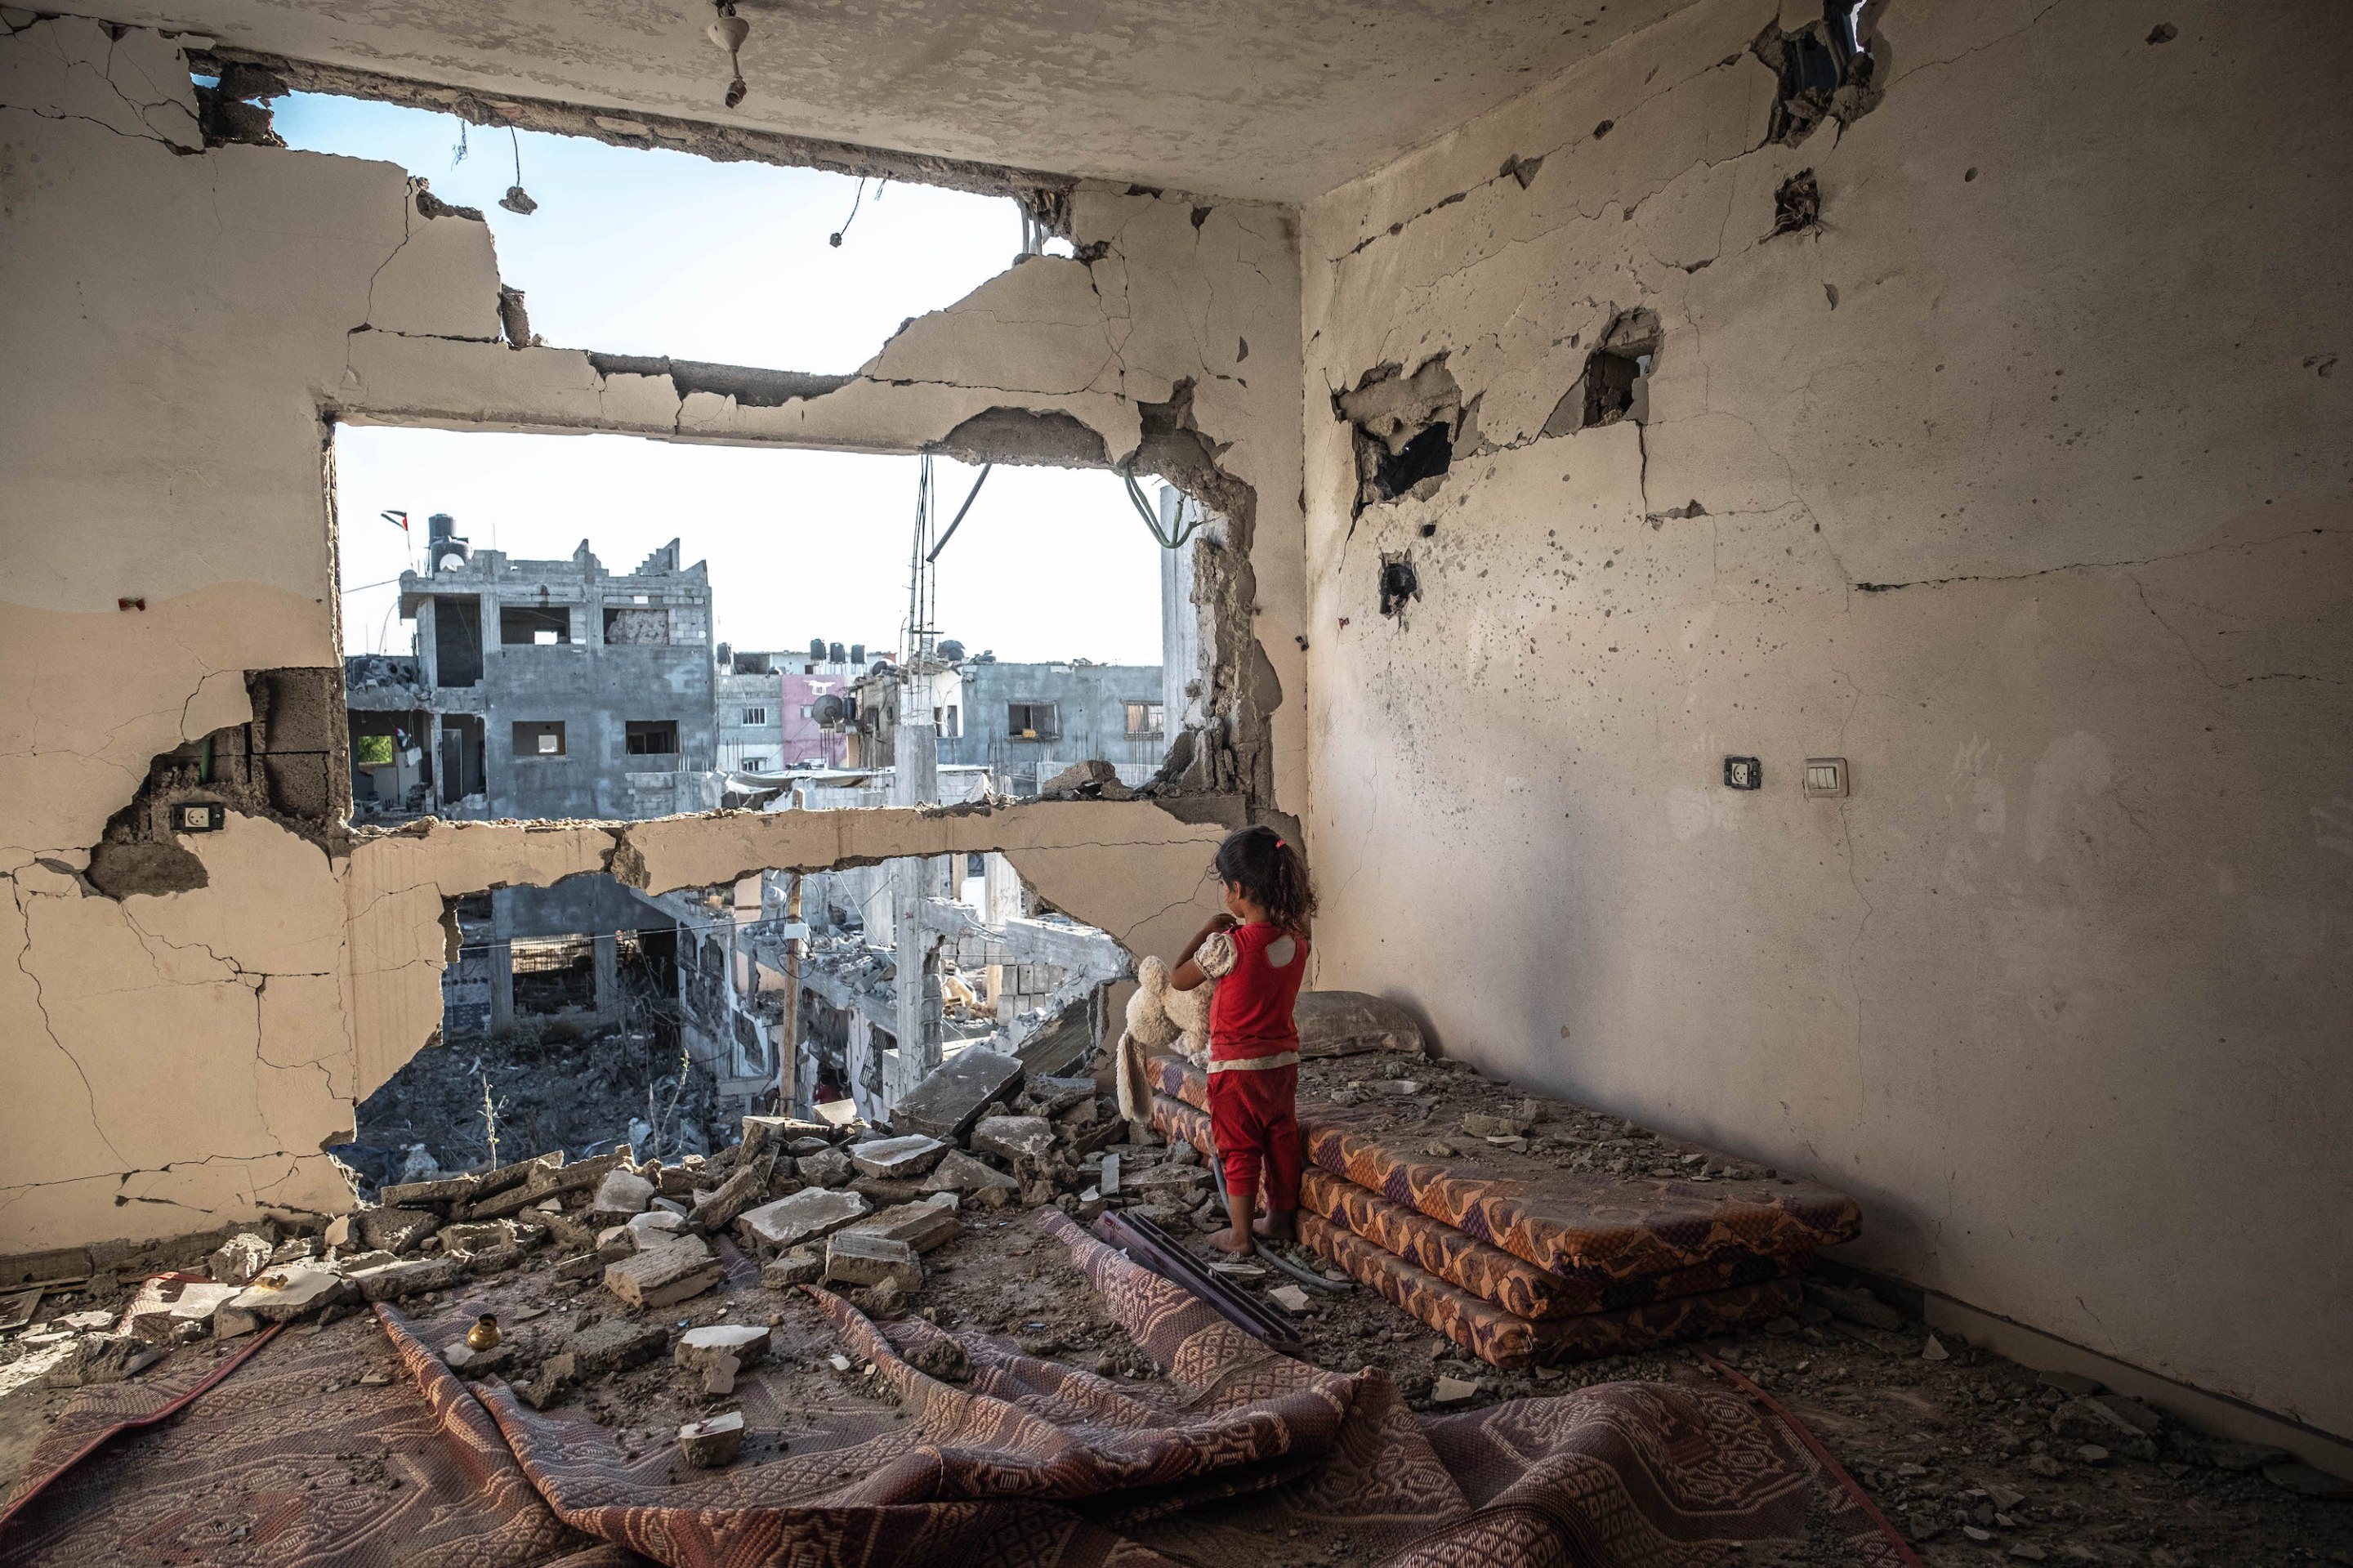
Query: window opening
(538,738)
(1032,721)
(652,738)
(526,625)
(755,715)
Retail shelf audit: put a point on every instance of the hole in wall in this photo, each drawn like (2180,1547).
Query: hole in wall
(1615,383)
(523,674)
(595,248)
(288,764)
(1405,429)
(1798,207)
(1399,583)
(1824,69)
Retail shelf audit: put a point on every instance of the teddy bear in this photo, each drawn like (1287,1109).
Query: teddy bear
(1160,1018)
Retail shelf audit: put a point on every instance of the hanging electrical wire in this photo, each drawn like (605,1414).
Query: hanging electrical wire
(518,200)
(970,496)
(835,240)
(457,154)
(1151,516)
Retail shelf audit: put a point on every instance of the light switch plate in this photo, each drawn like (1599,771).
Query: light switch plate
(1825,778)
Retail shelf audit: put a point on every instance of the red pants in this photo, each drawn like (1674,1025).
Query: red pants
(1253,1117)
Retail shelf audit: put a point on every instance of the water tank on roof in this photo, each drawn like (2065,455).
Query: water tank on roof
(952,651)
(442,541)
(816,649)
(857,652)
(834,652)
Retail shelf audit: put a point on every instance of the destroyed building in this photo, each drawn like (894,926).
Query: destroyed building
(1787,567)
(542,689)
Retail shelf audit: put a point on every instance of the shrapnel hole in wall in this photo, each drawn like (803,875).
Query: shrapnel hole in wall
(1399,582)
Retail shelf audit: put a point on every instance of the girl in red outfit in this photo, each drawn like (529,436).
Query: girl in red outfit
(1257,952)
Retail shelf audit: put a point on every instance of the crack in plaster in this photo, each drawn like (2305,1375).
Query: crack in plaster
(49,1024)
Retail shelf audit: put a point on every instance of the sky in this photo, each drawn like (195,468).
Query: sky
(658,252)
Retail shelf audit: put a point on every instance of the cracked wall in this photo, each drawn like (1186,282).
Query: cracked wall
(199,318)
(2017,477)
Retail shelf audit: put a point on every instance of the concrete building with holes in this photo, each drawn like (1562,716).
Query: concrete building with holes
(1589,398)
(1027,722)
(768,706)
(558,688)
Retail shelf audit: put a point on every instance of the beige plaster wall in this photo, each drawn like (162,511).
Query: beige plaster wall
(2060,993)
(181,326)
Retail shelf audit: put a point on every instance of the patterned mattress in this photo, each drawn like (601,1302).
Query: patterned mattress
(1487,1272)
(1504,1340)
(1574,1224)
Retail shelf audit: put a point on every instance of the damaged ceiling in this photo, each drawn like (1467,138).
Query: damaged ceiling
(1270,103)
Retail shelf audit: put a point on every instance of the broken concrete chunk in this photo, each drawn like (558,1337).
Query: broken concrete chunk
(828,1168)
(285,1294)
(550,1180)
(620,1195)
(398,1230)
(762,1133)
(1454,1391)
(584,1265)
(233,1321)
(716,1353)
(556,1374)
(240,1258)
(111,1357)
(862,1257)
(439,1194)
(165,1307)
(648,1229)
(406,1279)
(896,1159)
(1289,1297)
(799,1267)
(953,1095)
(807,1215)
(1014,1137)
(1479,1125)
(615,1345)
(715,1209)
(339,1230)
(712,1442)
(474,1235)
(663,1275)
(920,1225)
(494,1259)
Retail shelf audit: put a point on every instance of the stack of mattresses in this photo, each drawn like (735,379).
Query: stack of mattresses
(1535,1264)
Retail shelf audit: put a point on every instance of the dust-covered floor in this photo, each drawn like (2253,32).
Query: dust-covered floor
(1976,1459)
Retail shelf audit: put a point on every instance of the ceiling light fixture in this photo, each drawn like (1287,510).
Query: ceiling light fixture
(729,31)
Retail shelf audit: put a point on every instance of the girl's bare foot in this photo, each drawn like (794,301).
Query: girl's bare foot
(1274,1227)
(1232,1244)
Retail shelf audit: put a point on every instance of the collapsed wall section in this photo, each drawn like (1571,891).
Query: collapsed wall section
(203,306)
(1975,426)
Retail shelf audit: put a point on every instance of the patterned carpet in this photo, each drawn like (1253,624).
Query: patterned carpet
(1030,1463)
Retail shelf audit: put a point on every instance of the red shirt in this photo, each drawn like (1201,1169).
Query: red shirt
(1251,1015)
